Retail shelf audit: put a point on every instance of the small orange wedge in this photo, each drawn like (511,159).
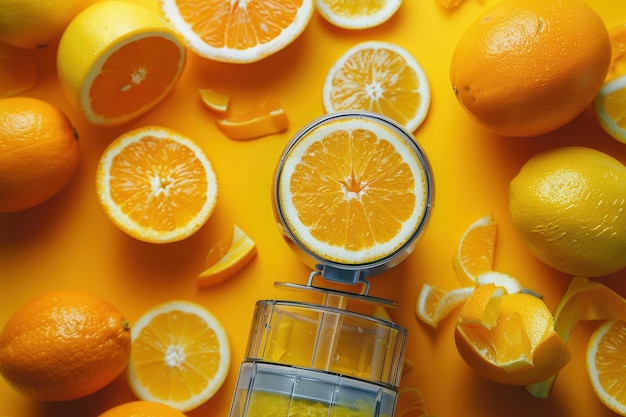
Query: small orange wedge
(17,74)
(227,257)
(475,250)
(266,117)
(214,101)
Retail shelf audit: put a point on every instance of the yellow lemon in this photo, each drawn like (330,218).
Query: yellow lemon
(117,60)
(568,205)
(35,23)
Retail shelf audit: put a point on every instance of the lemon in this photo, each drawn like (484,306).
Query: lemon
(117,60)
(568,206)
(36,23)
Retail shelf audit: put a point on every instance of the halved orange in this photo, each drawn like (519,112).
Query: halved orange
(180,355)
(266,117)
(17,74)
(353,189)
(361,14)
(380,77)
(475,250)
(227,257)
(117,60)
(156,184)
(240,31)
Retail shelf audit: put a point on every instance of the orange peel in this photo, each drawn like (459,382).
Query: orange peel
(265,118)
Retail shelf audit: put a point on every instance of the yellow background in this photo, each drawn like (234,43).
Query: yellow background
(68,243)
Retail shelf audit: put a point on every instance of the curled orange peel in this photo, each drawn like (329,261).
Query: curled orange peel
(583,300)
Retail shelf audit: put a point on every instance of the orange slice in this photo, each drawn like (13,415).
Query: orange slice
(180,355)
(519,347)
(360,14)
(267,117)
(584,300)
(156,184)
(353,190)
(510,284)
(434,303)
(17,74)
(214,101)
(244,31)
(610,107)
(227,257)
(606,364)
(381,77)
(117,60)
(475,250)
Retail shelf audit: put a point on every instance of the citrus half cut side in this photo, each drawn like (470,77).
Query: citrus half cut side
(238,31)
(380,77)
(156,184)
(117,60)
(361,14)
(353,190)
(606,364)
(180,355)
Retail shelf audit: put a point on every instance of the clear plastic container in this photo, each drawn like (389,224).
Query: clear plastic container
(307,359)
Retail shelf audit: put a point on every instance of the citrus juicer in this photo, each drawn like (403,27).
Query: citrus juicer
(307,359)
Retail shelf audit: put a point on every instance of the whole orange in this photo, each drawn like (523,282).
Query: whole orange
(62,346)
(142,409)
(38,152)
(527,67)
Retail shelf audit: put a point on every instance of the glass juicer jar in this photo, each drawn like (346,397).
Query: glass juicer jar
(306,359)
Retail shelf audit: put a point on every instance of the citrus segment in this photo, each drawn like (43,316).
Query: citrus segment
(353,190)
(610,108)
(227,257)
(214,101)
(17,74)
(117,60)
(434,303)
(361,14)
(266,117)
(520,349)
(180,355)
(243,32)
(606,364)
(156,184)
(483,307)
(475,250)
(381,77)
